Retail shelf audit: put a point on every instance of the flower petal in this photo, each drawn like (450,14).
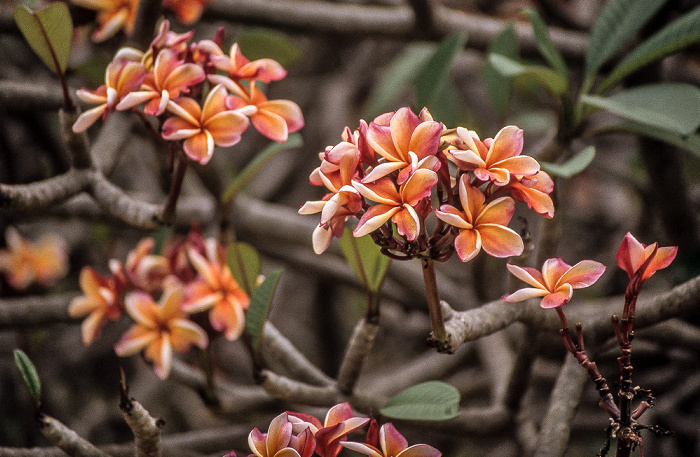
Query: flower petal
(560,297)
(508,142)
(583,274)
(499,241)
(374,217)
(467,244)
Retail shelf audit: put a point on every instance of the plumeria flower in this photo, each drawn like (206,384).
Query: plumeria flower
(402,206)
(166,39)
(101,303)
(338,423)
(160,329)
(204,127)
(142,270)
(534,190)
(25,262)
(280,441)
(480,224)
(336,209)
(493,159)
(112,16)
(408,143)
(338,166)
(216,290)
(170,78)
(358,138)
(556,282)
(275,119)
(391,443)
(187,11)
(122,77)
(632,255)
(238,67)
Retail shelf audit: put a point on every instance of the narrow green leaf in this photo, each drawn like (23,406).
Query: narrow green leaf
(619,21)
(428,401)
(573,166)
(677,35)
(48,32)
(29,374)
(669,106)
(545,45)
(397,77)
(241,179)
(550,79)
(365,258)
(261,43)
(244,262)
(498,86)
(436,71)
(690,143)
(259,307)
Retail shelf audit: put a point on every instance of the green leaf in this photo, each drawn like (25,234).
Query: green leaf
(241,179)
(550,79)
(29,374)
(619,21)
(545,45)
(428,401)
(397,77)
(573,166)
(244,262)
(48,32)
(669,106)
(261,43)
(690,143)
(498,86)
(259,308)
(677,35)
(436,71)
(365,258)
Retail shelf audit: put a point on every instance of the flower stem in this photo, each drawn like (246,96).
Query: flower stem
(437,323)
(175,187)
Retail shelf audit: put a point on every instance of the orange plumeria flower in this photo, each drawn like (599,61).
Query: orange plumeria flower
(112,16)
(481,225)
(493,159)
(159,329)
(237,66)
(632,255)
(143,270)
(390,443)
(409,142)
(187,11)
(122,77)
(280,441)
(204,127)
(534,190)
(100,303)
(556,282)
(216,290)
(25,262)
(403,206)
(339,422)
(170,78)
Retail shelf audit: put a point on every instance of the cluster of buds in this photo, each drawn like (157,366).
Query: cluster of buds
(392,172)
(301,435)
(191,277)
(203,97)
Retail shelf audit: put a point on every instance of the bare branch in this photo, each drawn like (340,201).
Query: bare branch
(66,439)
(358,348)
(293,391)
(25,96)
(42,194)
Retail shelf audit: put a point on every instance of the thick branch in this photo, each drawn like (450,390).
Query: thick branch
(358,348)
(293,391)
(42,194)
(66,439)
(30,96)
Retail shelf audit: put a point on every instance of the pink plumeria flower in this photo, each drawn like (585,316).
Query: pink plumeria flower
(160,329)
(481,225)
(338,423)
(25,262)
(493,159)
(101,303)
(391,443)
(556,282)
(280,441)
(404,206)
(408,143)
(170,78)
(204,127)
(534,190)
(143,270)
(122,77)
(237,66)
(216,290)
(632,255)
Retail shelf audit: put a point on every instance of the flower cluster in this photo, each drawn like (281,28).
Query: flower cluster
(300,435)
(25,262)
(191,277)
(116,15)
(203,97)
(392,172)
